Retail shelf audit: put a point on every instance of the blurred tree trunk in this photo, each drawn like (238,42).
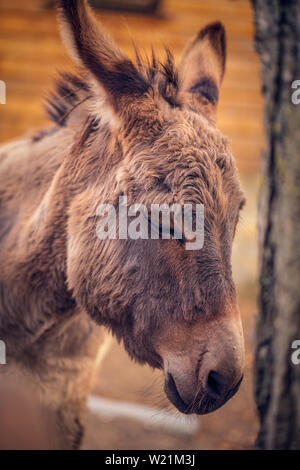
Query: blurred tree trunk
(277,389)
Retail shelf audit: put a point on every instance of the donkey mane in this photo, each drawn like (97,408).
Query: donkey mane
(69,91)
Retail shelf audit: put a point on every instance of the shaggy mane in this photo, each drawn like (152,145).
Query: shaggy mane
(69,91)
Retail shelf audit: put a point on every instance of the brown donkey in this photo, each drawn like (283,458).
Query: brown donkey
(145,130)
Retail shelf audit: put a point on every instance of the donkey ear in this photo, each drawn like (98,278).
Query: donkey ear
(96,52)
(202,68)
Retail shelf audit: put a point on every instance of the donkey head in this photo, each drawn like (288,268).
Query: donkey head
(154,140)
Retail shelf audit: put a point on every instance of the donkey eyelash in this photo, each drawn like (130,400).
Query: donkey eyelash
(180,241)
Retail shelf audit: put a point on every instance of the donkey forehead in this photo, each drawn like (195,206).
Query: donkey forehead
(221,197)
(179,125)
(189,158)
(181,138)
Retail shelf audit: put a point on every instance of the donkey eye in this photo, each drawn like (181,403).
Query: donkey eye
(173,235)
(166,233)
(180,240)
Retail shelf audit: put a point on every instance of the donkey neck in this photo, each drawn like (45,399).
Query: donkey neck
(40,177)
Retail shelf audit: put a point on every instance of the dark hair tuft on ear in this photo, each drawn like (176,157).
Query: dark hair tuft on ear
(217,37)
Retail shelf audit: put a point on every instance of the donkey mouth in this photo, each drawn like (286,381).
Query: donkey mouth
(203,404)
(174,396)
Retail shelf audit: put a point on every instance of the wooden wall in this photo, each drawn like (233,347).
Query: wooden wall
(31,52)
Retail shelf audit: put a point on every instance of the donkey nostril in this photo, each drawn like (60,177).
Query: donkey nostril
(216,383)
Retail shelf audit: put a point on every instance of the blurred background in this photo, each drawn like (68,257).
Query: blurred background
(30,54)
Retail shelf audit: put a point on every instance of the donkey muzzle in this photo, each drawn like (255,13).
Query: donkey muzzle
(217,391)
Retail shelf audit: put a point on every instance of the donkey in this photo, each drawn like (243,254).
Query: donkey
(145,129)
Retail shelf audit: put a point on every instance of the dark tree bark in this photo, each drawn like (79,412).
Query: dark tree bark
(277,389)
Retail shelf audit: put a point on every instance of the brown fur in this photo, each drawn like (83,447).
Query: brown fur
(147,131)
